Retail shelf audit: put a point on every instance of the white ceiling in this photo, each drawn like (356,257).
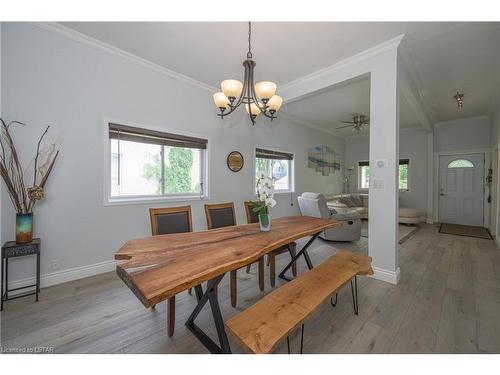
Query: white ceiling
(327,109)
(447,56)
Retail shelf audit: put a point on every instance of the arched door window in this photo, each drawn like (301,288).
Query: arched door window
(461,163)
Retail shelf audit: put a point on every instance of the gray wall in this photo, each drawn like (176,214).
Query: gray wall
(51,79)
(412,145)
(461,135)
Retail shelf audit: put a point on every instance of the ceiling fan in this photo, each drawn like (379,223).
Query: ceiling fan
(358,123)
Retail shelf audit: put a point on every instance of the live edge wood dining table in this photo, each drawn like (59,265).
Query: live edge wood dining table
(158,267)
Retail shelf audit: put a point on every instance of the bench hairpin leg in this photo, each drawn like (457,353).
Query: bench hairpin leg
(301,341)
(334,304)
(354,292)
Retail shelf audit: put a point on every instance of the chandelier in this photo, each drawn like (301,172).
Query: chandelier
(258,98)
(459,97)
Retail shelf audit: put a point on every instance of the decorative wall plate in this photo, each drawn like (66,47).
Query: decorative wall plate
(235,161)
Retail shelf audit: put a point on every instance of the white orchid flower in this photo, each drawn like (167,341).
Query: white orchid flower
(270,202)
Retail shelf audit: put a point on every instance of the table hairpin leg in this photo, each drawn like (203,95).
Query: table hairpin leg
(303,252)
(354,292)
(210,295)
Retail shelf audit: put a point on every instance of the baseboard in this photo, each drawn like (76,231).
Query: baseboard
(64,276)
(387,276)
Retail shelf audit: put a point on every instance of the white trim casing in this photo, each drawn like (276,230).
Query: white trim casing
(106,186)
(387,276)
(63,276)
(486,206)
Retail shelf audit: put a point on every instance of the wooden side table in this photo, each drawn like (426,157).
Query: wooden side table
(12,249)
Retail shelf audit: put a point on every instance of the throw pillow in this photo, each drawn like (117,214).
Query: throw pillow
(356,199)
(347,201)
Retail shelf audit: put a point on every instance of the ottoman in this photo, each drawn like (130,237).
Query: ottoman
(409,215)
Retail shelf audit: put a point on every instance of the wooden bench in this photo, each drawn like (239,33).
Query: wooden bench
(261,327)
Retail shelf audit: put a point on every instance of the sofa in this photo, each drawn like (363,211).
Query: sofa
(349,202)
(315,205)
(359,203)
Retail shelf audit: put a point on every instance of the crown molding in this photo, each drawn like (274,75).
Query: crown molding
(417,82)
(83,38)
(370,52)
(461,119)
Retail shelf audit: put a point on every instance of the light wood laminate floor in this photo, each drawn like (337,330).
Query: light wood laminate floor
(448,301)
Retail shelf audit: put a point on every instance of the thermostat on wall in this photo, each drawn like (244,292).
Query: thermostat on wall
(381,163)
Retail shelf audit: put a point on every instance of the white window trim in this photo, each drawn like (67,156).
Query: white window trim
(292,169)
(146,199)
(400,190)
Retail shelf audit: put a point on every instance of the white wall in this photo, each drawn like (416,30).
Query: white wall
(471,133)
(51,79)
(412,145)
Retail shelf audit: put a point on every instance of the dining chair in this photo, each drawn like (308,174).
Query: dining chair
(168,221)
(222,215)
(253,217)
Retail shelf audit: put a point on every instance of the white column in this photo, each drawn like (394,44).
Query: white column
(384,165)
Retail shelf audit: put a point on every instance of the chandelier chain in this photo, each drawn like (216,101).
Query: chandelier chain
(249,54)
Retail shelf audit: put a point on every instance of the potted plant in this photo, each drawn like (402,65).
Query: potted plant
(265,193)
(24,198)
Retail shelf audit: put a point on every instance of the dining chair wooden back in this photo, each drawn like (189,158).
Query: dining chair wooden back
(169,220)
(252,216)
(220,215)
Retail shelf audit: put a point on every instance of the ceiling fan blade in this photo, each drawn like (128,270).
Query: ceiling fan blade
(342,127)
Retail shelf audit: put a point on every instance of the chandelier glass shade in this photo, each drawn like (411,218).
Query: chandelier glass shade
(259,98)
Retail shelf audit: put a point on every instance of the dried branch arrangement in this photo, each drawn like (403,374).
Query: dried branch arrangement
(23,198)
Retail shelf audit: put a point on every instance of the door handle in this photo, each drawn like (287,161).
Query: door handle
(442,194)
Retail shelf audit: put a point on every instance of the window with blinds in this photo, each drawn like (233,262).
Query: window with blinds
(146,163)
(404,174)
(276,164)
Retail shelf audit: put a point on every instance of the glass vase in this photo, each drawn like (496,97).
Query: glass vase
(24,228)
(265,222)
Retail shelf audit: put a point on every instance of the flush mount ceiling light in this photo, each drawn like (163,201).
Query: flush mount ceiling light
(257,98)
(459,97)
(358,123)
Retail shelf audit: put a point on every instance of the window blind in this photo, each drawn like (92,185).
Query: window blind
(130,133)
(269,154)
(364,163)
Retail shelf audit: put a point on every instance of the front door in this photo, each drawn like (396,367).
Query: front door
(461,189)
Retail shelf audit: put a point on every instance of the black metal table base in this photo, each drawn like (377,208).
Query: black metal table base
(210,296)
(303,252)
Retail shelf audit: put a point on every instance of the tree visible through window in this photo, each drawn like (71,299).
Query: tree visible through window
(146,163)
(276,165)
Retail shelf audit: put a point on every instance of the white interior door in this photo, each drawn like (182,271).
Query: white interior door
(461,189)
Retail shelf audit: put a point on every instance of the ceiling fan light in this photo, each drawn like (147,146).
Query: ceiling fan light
(221,100)
(265,89)
(252,109)
(274,103)
(231,88)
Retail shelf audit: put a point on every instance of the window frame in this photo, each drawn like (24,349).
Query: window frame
(291,175)
(109,200)
(400,190)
